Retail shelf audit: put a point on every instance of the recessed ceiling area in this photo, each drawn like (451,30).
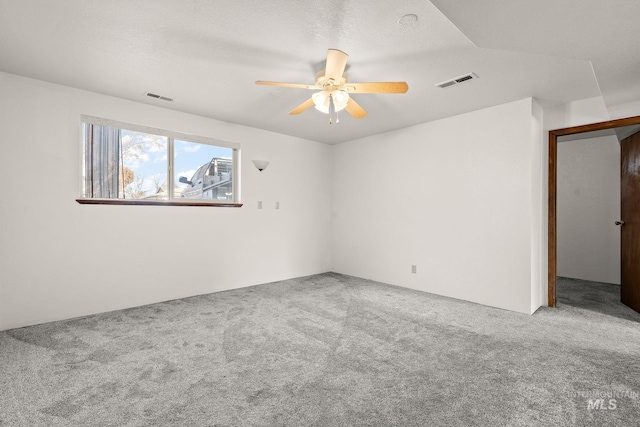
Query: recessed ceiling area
(603,33)
(206,56)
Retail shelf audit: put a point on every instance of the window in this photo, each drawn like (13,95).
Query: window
(124,163)
(213,180)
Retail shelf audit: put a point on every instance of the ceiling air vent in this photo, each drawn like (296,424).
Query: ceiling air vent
(153,95)
(457,80)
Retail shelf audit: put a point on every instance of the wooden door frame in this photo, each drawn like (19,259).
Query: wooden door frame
(553,187)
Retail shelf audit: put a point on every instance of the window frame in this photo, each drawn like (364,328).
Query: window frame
(171,137)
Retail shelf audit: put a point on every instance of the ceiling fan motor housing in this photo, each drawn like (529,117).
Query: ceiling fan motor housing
(325,84)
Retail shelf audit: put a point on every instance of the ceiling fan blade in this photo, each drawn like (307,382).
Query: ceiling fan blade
(336,63)
(300,108)
(379,87)
(355,109)
(294,85)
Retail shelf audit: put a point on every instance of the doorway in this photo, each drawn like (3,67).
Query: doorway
(602,127)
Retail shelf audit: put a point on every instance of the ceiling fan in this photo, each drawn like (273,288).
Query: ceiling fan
(335,90)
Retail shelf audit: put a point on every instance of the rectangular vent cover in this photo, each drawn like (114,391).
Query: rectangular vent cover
(153,95)
(457,80)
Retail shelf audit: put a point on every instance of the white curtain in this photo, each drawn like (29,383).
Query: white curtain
(101,161)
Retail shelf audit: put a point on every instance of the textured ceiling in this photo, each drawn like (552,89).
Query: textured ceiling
(206,55)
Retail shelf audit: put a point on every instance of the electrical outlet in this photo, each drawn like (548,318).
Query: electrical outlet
(277,205)
(414,269)
(259,204)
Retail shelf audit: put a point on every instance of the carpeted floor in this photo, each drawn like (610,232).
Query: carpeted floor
(325,350)
(598,297)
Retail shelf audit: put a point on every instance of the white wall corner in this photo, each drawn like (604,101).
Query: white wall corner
(473,170)
(539,178)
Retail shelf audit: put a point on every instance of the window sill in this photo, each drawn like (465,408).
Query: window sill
(156,203)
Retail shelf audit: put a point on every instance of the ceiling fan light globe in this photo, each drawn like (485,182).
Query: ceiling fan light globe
(340,99)
(321,100)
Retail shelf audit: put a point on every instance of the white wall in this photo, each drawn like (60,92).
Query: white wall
(584,111)
(539,207)
(625,110)
(60,259)
(454,197)
(588,204)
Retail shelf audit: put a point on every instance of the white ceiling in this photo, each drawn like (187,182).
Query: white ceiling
(206,55)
